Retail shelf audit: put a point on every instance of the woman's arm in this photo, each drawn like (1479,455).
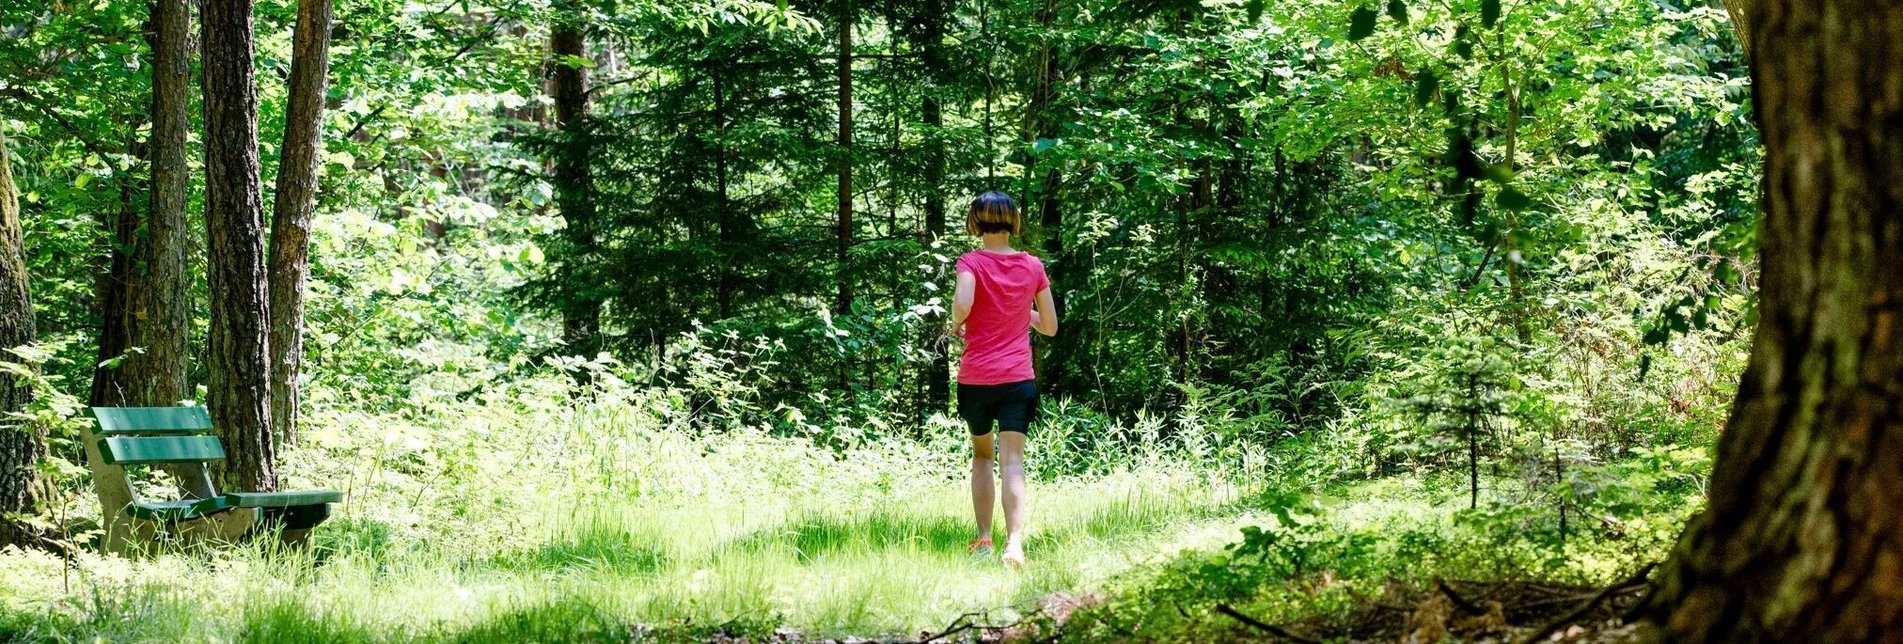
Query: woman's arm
(1044,317)
(963,295)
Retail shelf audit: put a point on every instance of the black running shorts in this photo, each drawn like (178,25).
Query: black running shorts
(1012,405)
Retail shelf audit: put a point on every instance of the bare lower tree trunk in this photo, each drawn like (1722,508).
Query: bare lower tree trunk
(1053,366)
(1803,538)
(238,353)
(574,184)
(291,214)
(842,303)
(112,288)
(161,306)
(21,446)
(931,48)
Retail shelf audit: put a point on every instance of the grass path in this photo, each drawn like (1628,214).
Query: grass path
(896,566)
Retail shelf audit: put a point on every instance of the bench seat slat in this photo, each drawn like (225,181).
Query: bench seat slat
(284,499)
(135,450)
(152,420)
(177,510)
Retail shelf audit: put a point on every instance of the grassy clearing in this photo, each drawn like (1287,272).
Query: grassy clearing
(530,518)
(618,522)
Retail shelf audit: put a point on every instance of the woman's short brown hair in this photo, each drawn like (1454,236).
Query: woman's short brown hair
(993,212)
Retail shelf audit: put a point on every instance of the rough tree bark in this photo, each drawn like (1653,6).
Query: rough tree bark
(574,185)
(1802,540)
(161,305)
(157,302)
(20,446)
(239,361)
(296,196)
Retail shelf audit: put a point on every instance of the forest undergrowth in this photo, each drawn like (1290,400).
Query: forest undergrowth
(525,514)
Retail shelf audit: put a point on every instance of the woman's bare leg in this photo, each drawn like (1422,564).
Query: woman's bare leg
(1011,467)
(983,494)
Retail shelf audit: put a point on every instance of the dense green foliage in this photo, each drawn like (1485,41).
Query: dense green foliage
(1336,271)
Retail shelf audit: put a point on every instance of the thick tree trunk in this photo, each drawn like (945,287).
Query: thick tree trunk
(574,185)
(296,198)
(1802,540)
(240,366)
(20,446)
(842,304)
(161,305)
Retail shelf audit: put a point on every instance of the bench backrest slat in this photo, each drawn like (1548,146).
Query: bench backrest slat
(152,420)
(134,450)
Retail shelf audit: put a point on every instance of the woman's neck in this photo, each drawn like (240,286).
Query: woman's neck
(997,242)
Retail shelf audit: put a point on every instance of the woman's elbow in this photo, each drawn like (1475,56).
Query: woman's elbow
(1049,329)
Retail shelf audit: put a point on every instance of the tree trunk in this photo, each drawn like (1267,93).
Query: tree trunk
(161,305)
(113,288)
(931,48)
(729,245)
(157,305)
(238,352)
(1802,540)
(1043,104)
(20,446)
(296,198)
(574,185)
(842,304)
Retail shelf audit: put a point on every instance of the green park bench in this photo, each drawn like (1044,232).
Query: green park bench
(178,436)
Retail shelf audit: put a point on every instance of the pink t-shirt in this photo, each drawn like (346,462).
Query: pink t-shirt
(998,331)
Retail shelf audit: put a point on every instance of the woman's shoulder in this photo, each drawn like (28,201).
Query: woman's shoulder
(993,258)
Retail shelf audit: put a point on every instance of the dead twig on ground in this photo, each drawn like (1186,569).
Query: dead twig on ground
(1263,626)
(960,625)
(1636,579)
(1459,602)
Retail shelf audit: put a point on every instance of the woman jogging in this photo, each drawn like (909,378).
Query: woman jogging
(992,311)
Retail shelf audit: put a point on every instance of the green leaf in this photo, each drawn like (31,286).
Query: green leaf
(1398,11)
(1489,12)
(1361,24)
(1044,144)
(1462,46)
(1512,199)
(1425,84)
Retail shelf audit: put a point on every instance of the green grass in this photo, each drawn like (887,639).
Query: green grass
(510,521)
(833,564)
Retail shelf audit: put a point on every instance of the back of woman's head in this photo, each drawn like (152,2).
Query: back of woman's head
(993,212)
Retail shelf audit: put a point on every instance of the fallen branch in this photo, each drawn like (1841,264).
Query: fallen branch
(960,625)
(1459,602)
(1636,579)
(1263,626)
(1567,599)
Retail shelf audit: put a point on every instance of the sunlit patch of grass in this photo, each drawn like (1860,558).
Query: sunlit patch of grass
(737,532)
